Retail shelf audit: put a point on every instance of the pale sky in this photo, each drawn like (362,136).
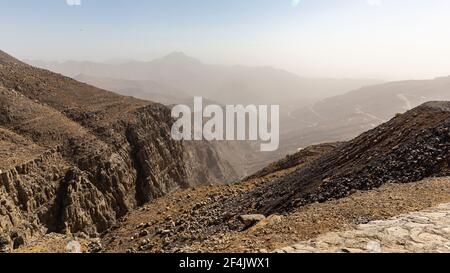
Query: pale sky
(384,39)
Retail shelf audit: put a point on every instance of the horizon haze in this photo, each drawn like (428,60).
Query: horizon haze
(386,40)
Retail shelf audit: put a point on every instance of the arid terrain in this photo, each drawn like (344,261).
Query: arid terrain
(75,158)
(325,110)
(176,78)
(82,164)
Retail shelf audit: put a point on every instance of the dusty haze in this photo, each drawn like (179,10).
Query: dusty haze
(382,39)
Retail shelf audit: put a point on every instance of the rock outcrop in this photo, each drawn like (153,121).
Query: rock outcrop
(409,148)
(74,158)
(204,165)
(406,149)
(297,160)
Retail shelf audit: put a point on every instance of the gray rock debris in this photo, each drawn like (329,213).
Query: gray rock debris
(427,231)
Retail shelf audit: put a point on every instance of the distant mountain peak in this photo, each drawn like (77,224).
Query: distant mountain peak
(176,54)
(178,57)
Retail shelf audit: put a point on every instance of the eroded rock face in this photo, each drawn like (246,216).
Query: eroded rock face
(157,159)
(25,192)
(75,189)
(408,148)
(74,158)
(204,166)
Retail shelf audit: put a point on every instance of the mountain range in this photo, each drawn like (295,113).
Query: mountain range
(313,111)
(390,169)
(224,84)
(78,160)
(345,116)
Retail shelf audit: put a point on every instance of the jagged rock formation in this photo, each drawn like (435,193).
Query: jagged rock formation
(203,166)
(409,148)
(297,160)
(182,77)
(406,149)
(194,215)
(74,158)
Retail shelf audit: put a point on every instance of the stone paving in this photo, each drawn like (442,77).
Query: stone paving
(418,232)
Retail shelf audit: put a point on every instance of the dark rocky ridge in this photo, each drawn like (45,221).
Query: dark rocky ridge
(191,216)
(409,148)
(307,155)
(92,155)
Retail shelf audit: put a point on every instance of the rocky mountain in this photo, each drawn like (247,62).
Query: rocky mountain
(75,158)
(344,117)
(146,90)
(295,161)
(177,78)
(224,84)
(409,148)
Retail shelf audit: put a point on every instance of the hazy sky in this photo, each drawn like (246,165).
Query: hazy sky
(388,39)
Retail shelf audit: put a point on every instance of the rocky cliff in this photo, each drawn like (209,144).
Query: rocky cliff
(408,148)
(74,158)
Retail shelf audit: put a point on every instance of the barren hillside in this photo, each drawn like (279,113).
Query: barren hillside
(75,158)
(405,150)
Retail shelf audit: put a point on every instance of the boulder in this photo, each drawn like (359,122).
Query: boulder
(271,220)
(251,219)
